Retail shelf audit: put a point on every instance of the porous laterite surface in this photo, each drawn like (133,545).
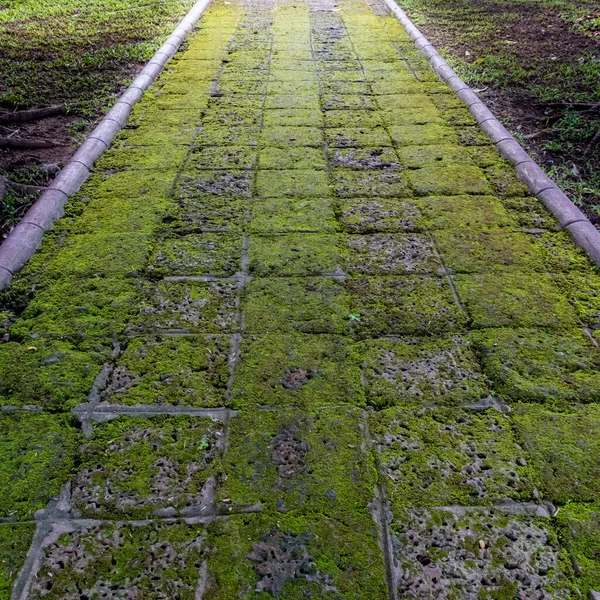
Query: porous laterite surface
(302,334)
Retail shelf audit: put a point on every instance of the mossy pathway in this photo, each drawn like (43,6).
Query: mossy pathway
(303,334)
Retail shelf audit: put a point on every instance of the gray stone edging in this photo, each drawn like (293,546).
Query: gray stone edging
(27,236)
(569,217)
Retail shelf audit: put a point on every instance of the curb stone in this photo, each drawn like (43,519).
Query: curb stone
(27,236)
(570,218)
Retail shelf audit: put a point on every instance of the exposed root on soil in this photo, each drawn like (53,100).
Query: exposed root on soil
(33,114)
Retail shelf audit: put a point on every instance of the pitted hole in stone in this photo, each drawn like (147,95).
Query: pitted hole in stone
(119,381)
(360,158)
(294,379)
(288,452)
(281,557)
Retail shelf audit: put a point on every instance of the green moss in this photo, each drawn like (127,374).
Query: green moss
(472,136)
(441,155)
(516,299)
(187,307)
(286,137)
(51,373)
(357,137)
(447,457)
(505,181)
(196,183)
(582,289)
(37,455)
(530,213)
(404,306)
(222,157)
(292,184)
(14,544)
(290,101)
(363,158)
(415,371)
(378,215)
(531,365)
(565,448)
(472,251)
(297,370)
(223,115)
(292,158)
(215,134)
(155,133)
(352,119)
(560,254)
(302,462)
(153,157)
(290,117)
(369,183)
(448,180)
(421,135)
(78,308)
(347,102)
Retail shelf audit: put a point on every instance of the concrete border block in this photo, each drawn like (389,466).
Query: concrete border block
(131,96)
(585,235)
(106,131)
(44,215)
(69,180)
(533,177)
(468,96)
(561,207)
(89,151)
(511,150)
(120,113)
(17,249)
(481,112)
(142,81)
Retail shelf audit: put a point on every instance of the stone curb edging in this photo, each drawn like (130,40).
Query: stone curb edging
(569,217)
(26,237)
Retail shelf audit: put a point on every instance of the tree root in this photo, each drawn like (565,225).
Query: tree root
(29,190)
(33,114)
(8,142)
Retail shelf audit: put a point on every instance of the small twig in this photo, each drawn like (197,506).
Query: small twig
(33,114)
(8,142)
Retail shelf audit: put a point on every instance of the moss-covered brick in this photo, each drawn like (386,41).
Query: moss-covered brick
(78,308)
(155,133)
(378,215)
(448,180)
(296,254)
(222,157)
(286,137)
(483,554)
(215,134)
(505,181)
(579,532)
(450,457)
(357,88)
(409,101)
(391,254)
(147,185)
(14,544)
(155,157)
(531,365)
(37,454)
(204,212)
(472,136)
(293,556)
(300,87)
(459,117)
(187,306)
(242,86)
(565,448)
(148,559)
(288,305)
(363,158)
(291,117)
(370,183)
(287,101)
(100,255)
(443,155)
(337,65)
(582,289)
(292,184)
(471,251)
(139,467)
(288,215)
(287,460)
(412,116)
(198,183)
(301,158)
(530,213)
(404,306)
(559,253)
(512,298)
(297,370)
(357,137)
(191,371)
(455,212)
(52,373)
(244,118)
(347,102)
(291,76)
(414,371)
(217,254)
(352,119)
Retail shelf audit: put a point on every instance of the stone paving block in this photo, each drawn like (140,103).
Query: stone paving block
(478,555)
(288,215)
(139,467)
(347,102)
(79,308)
(301,462)
(214,134)
(285,137)
(156,559)
(582,289)
(363,158)
(472,136)
(404,306)
(189,371)
(448,180)
(290,556)
(471,251)
(204,212)
(530,213)
(290,117)
(532,365)
(352,119)
(14,544)
(505,181)
(286,305)
(296,254)
(151,158)
(153,133)
(369,183)
(241,119)
(231,183)
(303,102)
(391,254)
(579,530)
(515,299)
(37,454)
(222,157)
(565,448)
(401,102)
(442,155)
(147,185)
(297,370)
(411,372)
(291,76)
(245,86)
(451,457)
(379,215)
(412,116)
(456,212)
(301,158)
(292,184)
(307,85)
(187,307)
(357,137)
(422,135)
(52,373)
(559,253)
(216,254)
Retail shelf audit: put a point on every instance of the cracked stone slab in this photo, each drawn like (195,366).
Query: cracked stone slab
(477,555)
